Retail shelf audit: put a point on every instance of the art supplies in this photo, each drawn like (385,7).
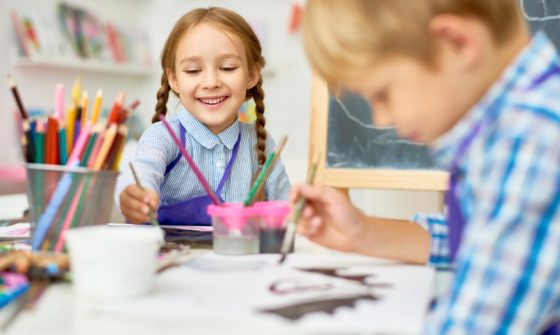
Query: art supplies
(191,163)
(12,285)
(273,216)
(96,106)
(29,149)
(235,229)
(151,214)
(291,229)
(58,195)
(265,172)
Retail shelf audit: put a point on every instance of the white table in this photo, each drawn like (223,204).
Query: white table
(61,312)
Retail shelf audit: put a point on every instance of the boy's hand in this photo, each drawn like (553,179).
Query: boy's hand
(136,203)
(328,217)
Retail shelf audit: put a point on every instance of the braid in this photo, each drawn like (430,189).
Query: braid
(162,97)
(258,96)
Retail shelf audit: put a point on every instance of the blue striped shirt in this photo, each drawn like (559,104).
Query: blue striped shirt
(507,269)
(210,152)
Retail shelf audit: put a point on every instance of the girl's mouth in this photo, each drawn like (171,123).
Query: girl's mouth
(212,101)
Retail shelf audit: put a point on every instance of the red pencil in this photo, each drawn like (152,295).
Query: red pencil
(51,156)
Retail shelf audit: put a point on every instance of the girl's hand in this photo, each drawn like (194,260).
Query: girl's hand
(137,203)
(328,217)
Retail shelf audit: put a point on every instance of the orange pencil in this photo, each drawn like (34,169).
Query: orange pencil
(105,147)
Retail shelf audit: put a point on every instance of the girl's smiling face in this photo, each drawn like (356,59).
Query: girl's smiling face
(211,75)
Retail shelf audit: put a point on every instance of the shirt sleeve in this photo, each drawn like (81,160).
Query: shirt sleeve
(277,185)
(154,151)
(436,225)
(508,265)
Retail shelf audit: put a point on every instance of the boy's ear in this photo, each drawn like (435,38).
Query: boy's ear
(461,35)
(172,80)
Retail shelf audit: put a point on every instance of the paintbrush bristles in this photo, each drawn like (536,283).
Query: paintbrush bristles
(292,225)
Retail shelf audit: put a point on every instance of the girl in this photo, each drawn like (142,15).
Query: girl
(212,62)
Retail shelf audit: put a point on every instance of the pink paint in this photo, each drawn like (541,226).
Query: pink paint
(233,216)
(273,213)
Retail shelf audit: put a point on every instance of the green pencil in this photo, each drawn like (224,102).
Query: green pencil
(265,172)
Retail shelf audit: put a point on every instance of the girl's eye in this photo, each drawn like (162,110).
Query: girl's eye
(229,68)
(192,71)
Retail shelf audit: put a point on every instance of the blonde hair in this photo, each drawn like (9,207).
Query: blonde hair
(342,37)
(234,24)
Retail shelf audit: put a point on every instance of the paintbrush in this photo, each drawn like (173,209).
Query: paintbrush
(292,225)
(265,172)
(151,214)
(192,164)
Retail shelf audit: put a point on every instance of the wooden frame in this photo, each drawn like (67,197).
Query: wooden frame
(420,180)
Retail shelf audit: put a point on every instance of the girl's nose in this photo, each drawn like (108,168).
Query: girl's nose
(211,80)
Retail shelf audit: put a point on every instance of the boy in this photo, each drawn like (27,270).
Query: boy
(465,77)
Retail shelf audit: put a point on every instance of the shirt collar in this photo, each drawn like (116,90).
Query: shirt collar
(203,135)
(519,75)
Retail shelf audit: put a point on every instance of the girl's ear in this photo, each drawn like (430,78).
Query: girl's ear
(254,77)
(172,80)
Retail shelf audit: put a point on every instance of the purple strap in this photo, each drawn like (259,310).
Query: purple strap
(228,167)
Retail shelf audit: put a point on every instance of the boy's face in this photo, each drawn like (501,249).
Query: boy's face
(211,75)
(421,102)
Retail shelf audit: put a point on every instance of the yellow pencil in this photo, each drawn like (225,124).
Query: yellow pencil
(96,106)
(70,119)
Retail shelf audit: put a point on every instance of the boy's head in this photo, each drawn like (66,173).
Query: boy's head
(422,64)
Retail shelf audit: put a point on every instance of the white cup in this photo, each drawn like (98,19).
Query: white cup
(113,262)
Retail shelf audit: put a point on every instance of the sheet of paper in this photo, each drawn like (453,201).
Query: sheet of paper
(310,293)
(15,232)
(12,206)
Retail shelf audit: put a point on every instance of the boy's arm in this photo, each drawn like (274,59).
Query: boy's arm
(330,219)
(436,225)
(508,266)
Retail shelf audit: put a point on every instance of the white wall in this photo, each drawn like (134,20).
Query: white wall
(287,83)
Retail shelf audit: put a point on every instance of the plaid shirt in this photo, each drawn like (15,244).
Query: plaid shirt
(507,270)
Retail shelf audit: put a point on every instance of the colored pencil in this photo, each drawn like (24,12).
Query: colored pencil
(116,109)
(292,225)
(96,106)
(192,164)
(63,154)
(104,150)
(84,105)
(28,148)
(70,120)
(265,172)
(15,93)
(39,142)
(59,101)
(151,215)
(51,147)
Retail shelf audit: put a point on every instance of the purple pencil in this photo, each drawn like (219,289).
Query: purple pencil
(193,166)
